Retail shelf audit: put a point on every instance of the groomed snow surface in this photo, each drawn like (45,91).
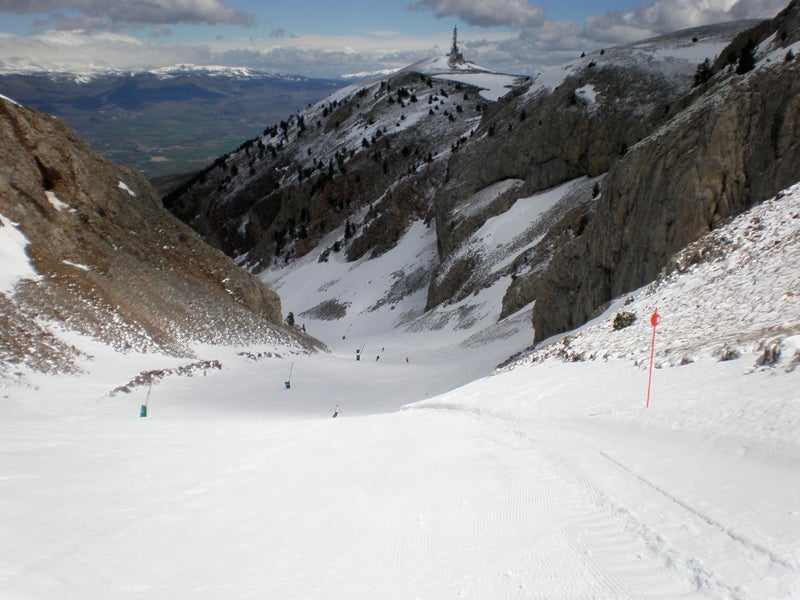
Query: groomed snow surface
(549,479)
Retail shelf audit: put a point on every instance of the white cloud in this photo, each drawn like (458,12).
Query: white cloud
(115,14)
(665,16)
(79,51)
(529,43)
(516,14)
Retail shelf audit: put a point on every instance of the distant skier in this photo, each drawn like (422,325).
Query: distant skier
(336,412)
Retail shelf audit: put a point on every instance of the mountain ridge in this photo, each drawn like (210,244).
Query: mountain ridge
(270,206)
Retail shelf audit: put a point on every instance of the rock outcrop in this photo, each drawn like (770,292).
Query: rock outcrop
(112,262)
(738,143)
(543,137)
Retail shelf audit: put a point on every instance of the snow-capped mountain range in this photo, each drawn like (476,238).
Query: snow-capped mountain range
(177,70)
(166,121)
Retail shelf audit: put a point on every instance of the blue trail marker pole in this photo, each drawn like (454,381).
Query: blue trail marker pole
(143,409)
(288,382)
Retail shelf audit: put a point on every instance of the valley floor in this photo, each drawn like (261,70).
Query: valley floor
(550,481)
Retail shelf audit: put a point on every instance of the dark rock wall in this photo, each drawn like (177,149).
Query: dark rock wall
(546,139)
(736,146)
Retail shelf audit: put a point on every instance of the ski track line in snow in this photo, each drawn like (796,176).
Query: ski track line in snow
(606,539)
(748,544)
(695,575)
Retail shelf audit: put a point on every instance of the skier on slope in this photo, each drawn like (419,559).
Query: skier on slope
(336,412)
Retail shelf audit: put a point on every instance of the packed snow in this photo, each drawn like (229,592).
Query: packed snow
(124,187)
(441,477)
(16,264)
(492,86)
(55,201)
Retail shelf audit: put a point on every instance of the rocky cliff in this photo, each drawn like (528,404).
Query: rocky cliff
(111,262)
(736,144)
(549,133)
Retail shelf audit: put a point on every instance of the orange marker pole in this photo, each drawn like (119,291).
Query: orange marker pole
(654,319)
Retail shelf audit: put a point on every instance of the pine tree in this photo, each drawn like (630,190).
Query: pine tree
(747,59)
(704,72)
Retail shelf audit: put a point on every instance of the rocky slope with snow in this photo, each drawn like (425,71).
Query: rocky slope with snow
(380,144)
(98,254)
(735,145)
(620,159)
(733,293)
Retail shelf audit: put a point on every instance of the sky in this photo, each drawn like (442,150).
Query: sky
(319,38)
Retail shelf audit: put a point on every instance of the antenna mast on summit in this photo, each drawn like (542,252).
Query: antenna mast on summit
(455,56)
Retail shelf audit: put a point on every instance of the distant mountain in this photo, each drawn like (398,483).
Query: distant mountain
(168,121)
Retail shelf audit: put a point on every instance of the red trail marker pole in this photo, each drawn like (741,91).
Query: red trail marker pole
(654,319)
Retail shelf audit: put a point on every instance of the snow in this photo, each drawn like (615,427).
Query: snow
(493,86)
(587,93)
(76,265)
(213,70)
(245,222)
(123,186)
(503,238)
(8,99)
(55,201)
(15,261)
(483,199)
(441,478)
(771,52)
(674,54)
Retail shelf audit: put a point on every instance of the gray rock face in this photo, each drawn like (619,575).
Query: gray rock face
(113,262)
(542,139)
(737,145)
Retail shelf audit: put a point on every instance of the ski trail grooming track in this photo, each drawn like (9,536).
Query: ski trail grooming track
(748,544)
(690,568)
(590,517)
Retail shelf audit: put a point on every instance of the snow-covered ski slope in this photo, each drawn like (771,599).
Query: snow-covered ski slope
(547,479)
